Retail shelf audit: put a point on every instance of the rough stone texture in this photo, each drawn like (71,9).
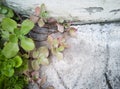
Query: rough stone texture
(83,10)
(91,62)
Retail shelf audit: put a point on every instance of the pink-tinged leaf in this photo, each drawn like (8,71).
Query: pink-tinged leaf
(72,32)
(60,28)
(35,65)
(34,18)
(59,55)
(35,75)
(37,11)
(41,23)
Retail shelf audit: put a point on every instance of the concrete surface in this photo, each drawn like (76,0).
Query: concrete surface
(91,62)
(86,11)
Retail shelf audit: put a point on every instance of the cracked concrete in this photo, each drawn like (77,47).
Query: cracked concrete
(91,62)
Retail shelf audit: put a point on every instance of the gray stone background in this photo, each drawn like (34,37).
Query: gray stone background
(93,59)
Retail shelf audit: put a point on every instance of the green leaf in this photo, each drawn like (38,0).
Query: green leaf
(43,61)
(55,43)
(72,31)
(18,61)
(9,72)
(5,35)
(4,10)
(10,13)
(8,25)
(10,50)
(17,32)
(43,12)
(60,48)
(35,65)
(43,51)
(27,44)
(27,25)
(13,38)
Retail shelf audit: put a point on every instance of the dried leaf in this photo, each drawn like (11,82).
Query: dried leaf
(43,80)
(35,65)
(60,28)
(41,23)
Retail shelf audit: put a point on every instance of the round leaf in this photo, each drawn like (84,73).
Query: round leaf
(10,50)
(35,65)
(43,51)
(41,23)
(55,43)
(27,44)
(9,24)
(18,61)
(43,61)
(9,72)
(27,25)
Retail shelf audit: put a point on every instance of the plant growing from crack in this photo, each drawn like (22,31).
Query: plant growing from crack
(16,48)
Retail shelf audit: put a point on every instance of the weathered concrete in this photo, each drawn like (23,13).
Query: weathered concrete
(83,10)
(91,62)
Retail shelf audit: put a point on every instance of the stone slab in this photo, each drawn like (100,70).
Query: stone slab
(84,11)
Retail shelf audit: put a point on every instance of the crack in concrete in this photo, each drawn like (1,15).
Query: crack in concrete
(60,78)
(108,81)
(107,63)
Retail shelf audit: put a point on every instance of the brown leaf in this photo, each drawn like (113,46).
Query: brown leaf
(60,28)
